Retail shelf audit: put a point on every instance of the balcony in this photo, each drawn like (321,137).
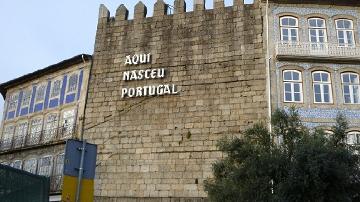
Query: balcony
(317,52)
(34,139)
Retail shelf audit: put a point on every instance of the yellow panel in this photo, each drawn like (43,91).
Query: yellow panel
(69,190)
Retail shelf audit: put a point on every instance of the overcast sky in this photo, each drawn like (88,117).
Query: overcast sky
(36,34)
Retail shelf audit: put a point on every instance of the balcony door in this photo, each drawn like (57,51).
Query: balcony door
(318,36)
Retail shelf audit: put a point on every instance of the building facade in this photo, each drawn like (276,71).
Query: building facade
(315,63)
(42,110)
(164,89)
(160,91)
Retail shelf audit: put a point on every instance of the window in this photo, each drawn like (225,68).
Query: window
(68,123)
(350,82)
(26,98)
(292,86)
(353,138)
(7,137)
(45,166)
(35,131)
(56,180)
(345,32)
(13,101)
(55,89)
(51,125)
(289,29)
(317,33)
(73,82)
(40,93)
(30,165)
(20,134)
(16,164)
(322,87)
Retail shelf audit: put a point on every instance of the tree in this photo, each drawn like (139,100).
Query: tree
(308,165)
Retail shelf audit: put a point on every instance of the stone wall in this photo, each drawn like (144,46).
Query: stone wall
(160,148)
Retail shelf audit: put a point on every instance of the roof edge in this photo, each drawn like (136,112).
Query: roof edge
(47,70)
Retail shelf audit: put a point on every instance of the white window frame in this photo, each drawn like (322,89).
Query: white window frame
(30,165)
(74,90)
(292,84)
(289,28)
(35,133)
(15,161)
(25,91)
(45,171)
(39,99)
(58,172)
(52,96)
(13,102)
(351,136)
(6,135)
(322,84)
(345,31)
(317,45)
(19,138)
(68,128)
(351,88)
(50,131)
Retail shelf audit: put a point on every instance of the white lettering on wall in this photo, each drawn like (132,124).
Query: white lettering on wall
(144,74)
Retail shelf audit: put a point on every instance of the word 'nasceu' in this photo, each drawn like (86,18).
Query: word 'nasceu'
(143,74)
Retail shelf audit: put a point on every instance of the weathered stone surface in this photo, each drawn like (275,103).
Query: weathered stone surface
(162,147)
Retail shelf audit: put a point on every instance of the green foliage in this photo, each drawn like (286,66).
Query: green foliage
(306,166)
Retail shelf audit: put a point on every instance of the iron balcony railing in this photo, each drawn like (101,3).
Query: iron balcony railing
(31,139)
(309,49)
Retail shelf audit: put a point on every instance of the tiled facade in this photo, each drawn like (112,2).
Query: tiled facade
(42,110)
(334,59)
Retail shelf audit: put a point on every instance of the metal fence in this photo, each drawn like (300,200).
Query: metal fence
(38,138)
(20,186)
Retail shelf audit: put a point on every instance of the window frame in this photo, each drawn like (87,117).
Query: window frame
(13,162)
(26,90)
(324,28)
(71,91)
(37,99)
(322,84)
(23,136)
(15,102)
(51,132)
(50,166)
(65,128)
(351,89)
(31,132)
(345,30)
(29,170)
(51,96)
(289,28)
(292,82)
(354,132)
(8,146)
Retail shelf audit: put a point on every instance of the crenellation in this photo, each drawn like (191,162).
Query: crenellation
(160,8)
(104,14)
(199,5)
(140,11)
(219,4)
(180,6)
(122,13)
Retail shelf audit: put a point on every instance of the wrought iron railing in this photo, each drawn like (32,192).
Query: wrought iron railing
(39,138)
(317,49)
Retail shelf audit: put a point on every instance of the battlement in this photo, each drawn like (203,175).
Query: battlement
(162,9)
